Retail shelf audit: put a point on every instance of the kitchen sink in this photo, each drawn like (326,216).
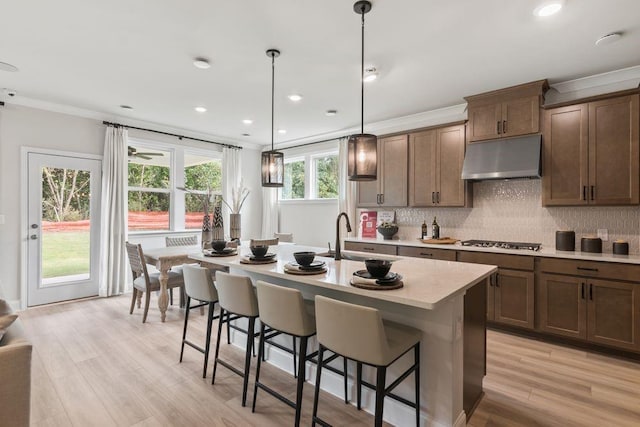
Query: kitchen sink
(355,257)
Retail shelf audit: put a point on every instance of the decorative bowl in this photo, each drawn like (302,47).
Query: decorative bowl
(304,258)
(218,245)
(259,251)
(377,268)
(388,232)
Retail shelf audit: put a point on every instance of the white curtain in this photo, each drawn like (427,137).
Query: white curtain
(269,212)
(113,220)
(346,190)
(232,175)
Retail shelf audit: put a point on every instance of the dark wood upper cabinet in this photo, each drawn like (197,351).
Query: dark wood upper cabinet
(506,112)
(592,153)
(435,167)
(390,189)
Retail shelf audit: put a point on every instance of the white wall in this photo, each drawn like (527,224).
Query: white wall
(311,222)
(29,127)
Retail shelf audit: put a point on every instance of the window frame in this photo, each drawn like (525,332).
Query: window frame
(310,173)
(177,219)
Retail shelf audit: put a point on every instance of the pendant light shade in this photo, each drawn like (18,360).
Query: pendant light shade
(272,161)
(362,148)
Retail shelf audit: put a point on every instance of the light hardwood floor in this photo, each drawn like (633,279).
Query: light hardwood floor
(94,364)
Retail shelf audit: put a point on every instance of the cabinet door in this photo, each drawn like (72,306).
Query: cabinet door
(491,297)
(393,154)
(520,116)
(422,168)
(450,185)
(613,151)
(566,161)
(367,193)
(613,314)
(485,122)
(562,305)
(513,298)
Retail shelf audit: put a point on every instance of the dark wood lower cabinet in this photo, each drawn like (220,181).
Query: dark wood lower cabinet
(514,298)
(600,311)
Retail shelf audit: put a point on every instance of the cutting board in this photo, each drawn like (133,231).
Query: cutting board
(440,241)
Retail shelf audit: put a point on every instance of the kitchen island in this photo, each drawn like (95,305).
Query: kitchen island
(436,299)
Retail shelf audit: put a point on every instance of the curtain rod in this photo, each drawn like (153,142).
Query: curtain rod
(117,125)
(312,143)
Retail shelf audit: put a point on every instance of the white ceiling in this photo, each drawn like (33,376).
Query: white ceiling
(97,55)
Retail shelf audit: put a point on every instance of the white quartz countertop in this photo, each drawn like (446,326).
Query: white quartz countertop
(427,283)
(544,252)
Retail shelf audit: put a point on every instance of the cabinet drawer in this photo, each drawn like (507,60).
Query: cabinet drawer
(606,270)
(374,248)
(515,262)
(430,253)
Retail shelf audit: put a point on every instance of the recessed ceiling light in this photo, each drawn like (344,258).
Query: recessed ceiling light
(609,38)
(370,74)
(126,107)
(282,131)
(331,112)
(8,67)
(247,121)
(246,134)
(202,63)
(295,97)
(201,109)
(548,8)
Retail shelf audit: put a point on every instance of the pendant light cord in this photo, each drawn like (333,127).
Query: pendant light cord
(273,83)
(362,77)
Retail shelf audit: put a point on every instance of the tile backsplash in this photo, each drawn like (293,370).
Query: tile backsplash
(512,211)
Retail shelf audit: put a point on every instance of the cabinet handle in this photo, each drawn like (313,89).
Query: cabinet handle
(497,282)
(504,126)
(584,192)
(367,249)
(433,197)
(587,269)
(593,192)
(591,291)
(425,254)
(382,199)
(378,198)
(498,127)
(438,197)
(582,290)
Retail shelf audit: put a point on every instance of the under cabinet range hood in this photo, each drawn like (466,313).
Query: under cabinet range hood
(503,159)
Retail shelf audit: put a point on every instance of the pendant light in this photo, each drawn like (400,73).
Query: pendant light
(362,148)
(272,161)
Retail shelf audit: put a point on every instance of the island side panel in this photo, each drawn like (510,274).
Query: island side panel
(475,345)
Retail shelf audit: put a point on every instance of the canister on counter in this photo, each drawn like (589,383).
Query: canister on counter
(565,240)
(591,244)
(621,247)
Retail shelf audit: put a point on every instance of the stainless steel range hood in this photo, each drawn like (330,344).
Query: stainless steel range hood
(503,158)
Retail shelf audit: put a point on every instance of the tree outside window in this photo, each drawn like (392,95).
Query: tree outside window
(201,175)
(326,173)
(294,174)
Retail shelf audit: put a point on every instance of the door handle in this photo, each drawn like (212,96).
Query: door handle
(504,126)
(33,237)
(34,226)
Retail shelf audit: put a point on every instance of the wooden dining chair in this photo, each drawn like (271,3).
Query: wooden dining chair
(190,240)
(284,237)
(145,283)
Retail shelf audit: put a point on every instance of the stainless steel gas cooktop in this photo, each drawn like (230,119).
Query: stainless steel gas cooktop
(502,245)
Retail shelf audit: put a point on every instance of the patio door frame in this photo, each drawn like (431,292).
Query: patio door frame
(27,218)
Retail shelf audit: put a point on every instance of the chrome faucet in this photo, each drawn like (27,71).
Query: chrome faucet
(338,256)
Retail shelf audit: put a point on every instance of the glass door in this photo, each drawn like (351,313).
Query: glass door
(64,228)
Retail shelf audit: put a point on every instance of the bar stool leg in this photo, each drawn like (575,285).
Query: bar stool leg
(416,354)
(207,345)
(215,360)
(316,394)
(359,384)
(295,363)
(260,354)
(184,330)
(380,383)
(301,375)
(247,358)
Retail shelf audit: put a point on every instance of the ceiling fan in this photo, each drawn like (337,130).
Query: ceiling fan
(133,152)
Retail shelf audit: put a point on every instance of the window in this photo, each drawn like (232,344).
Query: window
(155,200)
(311,176)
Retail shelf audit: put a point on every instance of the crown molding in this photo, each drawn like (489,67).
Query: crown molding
(629,76)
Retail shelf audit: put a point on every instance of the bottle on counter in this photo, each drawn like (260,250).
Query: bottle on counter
(435,229)
(425,230)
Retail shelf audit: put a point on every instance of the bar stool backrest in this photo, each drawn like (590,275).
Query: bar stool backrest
(198,283)
(354,331)
(236,294)
(284,309)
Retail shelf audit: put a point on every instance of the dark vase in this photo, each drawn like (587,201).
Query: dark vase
(388,232)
